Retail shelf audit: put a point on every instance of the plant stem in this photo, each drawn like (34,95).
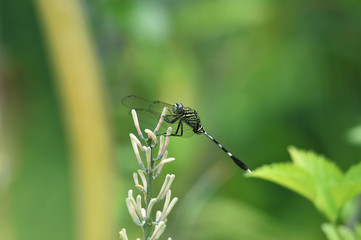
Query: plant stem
(147,197)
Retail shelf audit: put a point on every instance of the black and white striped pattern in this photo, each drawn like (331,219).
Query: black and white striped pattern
(191,117)
(235,160)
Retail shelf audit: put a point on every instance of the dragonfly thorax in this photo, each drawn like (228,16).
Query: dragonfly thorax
(178,108)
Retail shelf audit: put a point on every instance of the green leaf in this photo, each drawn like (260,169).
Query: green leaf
(340,232)
(316,178)
(350,185)
(326,176)
(289,176)
(318,166)
(331,231)
(346,233)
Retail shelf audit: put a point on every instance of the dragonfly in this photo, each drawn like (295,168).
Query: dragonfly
(184,121)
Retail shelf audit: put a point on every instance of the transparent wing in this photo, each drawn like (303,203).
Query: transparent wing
(139,103)
(149,113)
(135,102)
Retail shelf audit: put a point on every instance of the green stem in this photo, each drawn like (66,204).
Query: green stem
(147,197)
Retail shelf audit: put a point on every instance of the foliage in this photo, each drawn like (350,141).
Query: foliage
(317,179)
(334,232)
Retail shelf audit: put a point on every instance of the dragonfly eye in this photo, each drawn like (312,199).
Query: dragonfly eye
(177,108)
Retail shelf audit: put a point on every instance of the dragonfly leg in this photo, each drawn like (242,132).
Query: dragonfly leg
(174,120)
(180,126)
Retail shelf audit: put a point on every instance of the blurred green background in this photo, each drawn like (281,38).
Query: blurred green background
(263,75)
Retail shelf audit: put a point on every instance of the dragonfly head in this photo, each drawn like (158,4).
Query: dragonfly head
(178,108)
